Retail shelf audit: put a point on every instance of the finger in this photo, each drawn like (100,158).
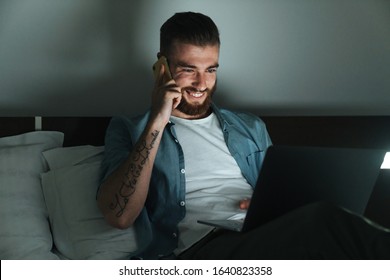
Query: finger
(159,81)
(172,86)
(163,90)
(170,91)
(244,204)
(176,101)
(166,77)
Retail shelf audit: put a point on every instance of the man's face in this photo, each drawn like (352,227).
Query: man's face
(194,69)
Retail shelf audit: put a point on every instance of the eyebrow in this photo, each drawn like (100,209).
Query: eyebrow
(183,64)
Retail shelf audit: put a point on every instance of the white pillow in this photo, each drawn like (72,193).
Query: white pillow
(79,229)
(24,227)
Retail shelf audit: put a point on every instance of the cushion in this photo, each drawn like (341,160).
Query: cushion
(24,227)
(79,229)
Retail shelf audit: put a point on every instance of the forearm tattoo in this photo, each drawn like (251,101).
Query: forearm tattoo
(132,174)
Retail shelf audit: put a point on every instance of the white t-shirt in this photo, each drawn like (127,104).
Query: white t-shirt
(214,182)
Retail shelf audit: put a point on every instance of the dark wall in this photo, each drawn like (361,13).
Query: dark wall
(354,132)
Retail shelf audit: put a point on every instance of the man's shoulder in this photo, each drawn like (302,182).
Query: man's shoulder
(130,120)
(123,126)
(240,116)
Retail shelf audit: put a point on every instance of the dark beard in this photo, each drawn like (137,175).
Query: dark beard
(197,109)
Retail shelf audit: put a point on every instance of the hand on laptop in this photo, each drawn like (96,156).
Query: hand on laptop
(244,203)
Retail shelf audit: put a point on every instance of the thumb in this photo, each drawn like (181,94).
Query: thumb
(244,203)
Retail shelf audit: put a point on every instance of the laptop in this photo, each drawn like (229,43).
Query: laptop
(294,176)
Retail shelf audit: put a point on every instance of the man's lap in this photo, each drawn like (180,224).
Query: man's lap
(315,231)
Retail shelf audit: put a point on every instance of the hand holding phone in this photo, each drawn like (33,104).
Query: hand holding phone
(157,67)
(166,94)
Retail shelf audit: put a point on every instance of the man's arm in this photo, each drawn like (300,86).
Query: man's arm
(122,195)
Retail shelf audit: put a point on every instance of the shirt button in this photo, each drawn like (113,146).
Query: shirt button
(174,235)
(182,203)
(183,171)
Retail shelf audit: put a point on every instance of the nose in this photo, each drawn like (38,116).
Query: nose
(200,82)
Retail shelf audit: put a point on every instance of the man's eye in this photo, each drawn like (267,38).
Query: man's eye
(188,70)
(212,70)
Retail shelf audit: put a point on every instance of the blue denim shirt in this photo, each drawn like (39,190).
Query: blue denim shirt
(157,234)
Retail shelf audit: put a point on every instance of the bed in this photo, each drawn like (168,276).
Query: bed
(50,172)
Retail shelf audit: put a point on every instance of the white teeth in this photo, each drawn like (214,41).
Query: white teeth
(196,94)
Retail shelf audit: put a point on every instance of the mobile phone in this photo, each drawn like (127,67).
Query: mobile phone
(157,66)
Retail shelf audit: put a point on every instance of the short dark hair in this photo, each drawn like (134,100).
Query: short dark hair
(188,27)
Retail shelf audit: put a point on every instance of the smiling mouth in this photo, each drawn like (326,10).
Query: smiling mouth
(195,94)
